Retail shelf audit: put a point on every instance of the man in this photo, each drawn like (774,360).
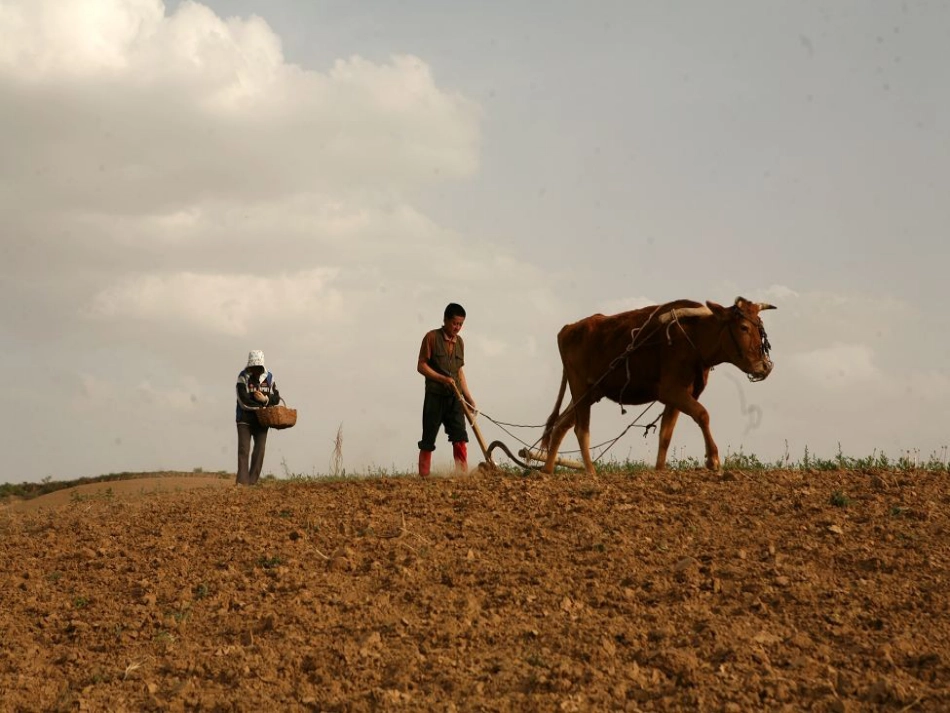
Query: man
(255,389)
(441,359)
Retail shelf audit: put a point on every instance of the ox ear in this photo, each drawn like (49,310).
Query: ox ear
(719,312)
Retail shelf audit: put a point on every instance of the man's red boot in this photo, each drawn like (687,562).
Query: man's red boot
(460,453)
(425,463)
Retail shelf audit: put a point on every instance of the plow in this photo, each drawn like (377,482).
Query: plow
(528,455)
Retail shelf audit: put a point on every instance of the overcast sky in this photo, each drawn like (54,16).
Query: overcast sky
(181,183)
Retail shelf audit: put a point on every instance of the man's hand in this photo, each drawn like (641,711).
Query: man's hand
(260,397)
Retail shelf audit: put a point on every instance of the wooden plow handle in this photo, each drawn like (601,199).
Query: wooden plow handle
(471,420)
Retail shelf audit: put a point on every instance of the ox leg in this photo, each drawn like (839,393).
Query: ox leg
(667,424)
(564,422)
(582,431)
(696,411)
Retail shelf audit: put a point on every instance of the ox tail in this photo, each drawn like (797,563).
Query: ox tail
(555,414)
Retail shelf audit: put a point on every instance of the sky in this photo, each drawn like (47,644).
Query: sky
(182,182)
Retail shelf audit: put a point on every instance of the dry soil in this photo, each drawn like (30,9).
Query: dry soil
(739,591)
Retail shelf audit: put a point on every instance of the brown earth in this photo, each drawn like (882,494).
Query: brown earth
(742,591)
(150,484)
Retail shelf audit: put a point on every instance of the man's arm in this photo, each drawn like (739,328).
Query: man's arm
(463,387)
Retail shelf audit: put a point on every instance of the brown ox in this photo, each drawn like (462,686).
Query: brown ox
(660,353)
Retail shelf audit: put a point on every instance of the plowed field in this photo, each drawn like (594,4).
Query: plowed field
(739,591)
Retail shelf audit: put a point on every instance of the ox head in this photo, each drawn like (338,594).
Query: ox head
(748,337)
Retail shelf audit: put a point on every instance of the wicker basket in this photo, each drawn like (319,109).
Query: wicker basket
(277,416)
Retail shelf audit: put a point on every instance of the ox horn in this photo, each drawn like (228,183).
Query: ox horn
(683,312)
(742,301)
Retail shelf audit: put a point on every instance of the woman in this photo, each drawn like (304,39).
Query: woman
(255,389)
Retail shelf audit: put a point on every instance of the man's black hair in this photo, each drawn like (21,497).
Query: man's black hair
(453,310)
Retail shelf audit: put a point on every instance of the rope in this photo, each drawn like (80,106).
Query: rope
(502,425)
(510,425)
(633,345)
(646,430)
(609,443)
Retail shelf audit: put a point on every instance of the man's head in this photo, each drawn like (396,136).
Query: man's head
(255,361)
(453,318)
(453,310)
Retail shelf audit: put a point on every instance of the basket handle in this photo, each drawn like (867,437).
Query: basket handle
(258,408)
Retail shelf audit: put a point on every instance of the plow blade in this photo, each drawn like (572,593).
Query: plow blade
(541,457)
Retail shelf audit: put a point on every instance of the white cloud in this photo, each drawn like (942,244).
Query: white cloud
(227,304)
(91,388)
(626,304)
(840,366)
(821,319)
(168,399)
(159,155)
(779,293)
(492,347)
(73,37)
(929,386)
(121,109)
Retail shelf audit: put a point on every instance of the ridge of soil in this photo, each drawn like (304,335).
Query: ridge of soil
(740,591)
(127,487)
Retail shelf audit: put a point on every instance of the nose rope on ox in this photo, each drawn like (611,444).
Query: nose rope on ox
(765,347)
